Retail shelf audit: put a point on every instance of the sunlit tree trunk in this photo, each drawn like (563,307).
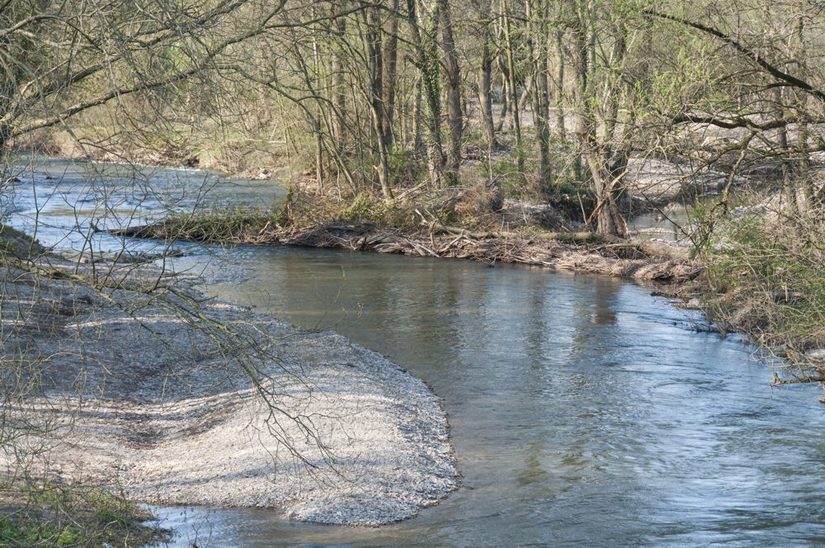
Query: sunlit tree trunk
(512,83)
(376,95)
(390,66)
(536,14)
(606,157)
(339,80)
(485,88)
(558,90)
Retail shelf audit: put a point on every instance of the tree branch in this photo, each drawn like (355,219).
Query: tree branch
(754,56)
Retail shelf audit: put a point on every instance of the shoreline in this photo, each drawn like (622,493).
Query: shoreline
(655,264)
(175,409)
(663,267)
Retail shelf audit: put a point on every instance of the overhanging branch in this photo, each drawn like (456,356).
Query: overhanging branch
(754,56)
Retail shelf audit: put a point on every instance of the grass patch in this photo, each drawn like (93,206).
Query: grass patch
(222,226)
(767,278)
(17,244)
(50,513)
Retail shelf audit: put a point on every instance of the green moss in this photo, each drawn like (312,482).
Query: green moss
(363,206)
(69,536)
(18,244)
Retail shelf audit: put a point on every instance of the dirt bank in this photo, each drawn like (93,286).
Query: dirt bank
(176,400)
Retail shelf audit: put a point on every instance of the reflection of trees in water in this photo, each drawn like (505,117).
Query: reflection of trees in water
(400,307)
(605,302)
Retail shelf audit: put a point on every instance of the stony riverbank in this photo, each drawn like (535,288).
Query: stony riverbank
(147,389)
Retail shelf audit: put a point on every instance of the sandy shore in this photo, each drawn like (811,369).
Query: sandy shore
(175,401)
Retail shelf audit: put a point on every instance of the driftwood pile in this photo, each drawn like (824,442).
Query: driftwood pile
(573,251)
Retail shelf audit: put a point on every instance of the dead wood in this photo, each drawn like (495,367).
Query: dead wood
(575,251)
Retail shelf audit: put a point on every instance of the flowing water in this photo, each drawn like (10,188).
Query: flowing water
(582,409)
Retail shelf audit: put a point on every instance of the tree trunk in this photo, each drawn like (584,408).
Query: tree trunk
(804,191)
(561,123)
(390,72)
(511,75)
(607,187)
(320,172)
(505,102)
(339,82)
(485,89)
(455,118)
(804,182)
(418,139)
(788,186)
(374,47)
(5,134)
(425,46)
(535,14)
(606,167)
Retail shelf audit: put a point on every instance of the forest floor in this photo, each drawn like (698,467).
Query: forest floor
(168,398)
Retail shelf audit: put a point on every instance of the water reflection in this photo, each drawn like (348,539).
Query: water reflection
(582,409)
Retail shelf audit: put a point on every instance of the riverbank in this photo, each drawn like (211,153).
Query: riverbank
(140,386)
(668,266)
(775,303)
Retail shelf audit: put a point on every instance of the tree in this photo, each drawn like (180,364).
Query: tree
(537,15)
(600,36)
(485,76)
(61,59)
(452,73)
(780,94)
(423,30)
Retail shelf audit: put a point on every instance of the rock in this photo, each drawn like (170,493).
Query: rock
(816,355)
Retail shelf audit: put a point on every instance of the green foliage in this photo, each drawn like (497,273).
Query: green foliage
(17,244)
(53,514)
(405,167)
(33,533)
(566,184)
(768,279)
(368,207)
(223,225)
(524,186)
(703,217)
(364,206)
(505,169)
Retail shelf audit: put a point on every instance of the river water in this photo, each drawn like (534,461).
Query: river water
(582,409)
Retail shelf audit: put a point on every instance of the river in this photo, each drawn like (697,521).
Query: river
(583,410)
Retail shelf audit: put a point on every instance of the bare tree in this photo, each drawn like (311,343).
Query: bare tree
(61,59)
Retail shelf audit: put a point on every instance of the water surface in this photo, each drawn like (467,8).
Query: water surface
(582,409)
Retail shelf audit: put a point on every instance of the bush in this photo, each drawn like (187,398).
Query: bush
(767,279)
